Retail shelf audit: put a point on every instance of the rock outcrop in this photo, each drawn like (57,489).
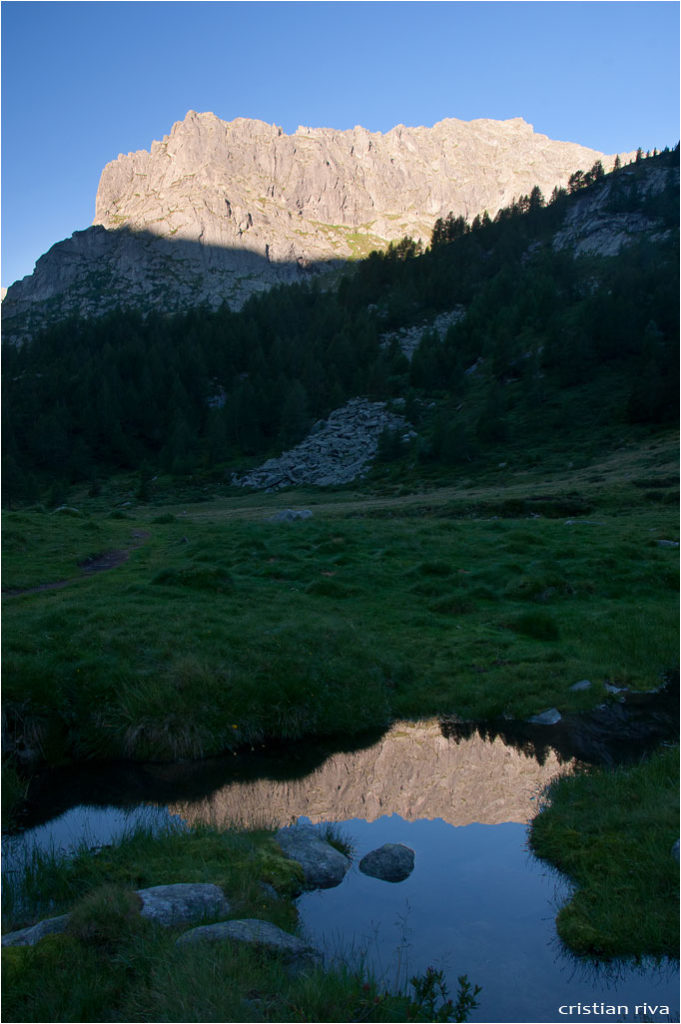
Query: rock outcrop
(323,865)
(35,932)
(166,905)
(182,902)
(337,451)
(594,225)
(321,193)
(254,932)
(409,338)
(218,210)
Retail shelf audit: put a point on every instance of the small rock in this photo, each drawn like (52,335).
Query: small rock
(323,865)
(675,850)
(183,902)
(255,932)
(549,717)
(392,862)
(36,932)
(668,543)
(288,515)
(583,684)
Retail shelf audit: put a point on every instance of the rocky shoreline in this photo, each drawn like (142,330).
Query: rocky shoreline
(322,866)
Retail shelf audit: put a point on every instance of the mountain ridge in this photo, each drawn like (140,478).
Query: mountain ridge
(338,178)
(495,334)
(216,210)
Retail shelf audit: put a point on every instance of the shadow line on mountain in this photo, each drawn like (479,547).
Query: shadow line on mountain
(98,269)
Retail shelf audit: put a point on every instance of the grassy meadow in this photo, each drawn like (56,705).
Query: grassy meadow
(222,628)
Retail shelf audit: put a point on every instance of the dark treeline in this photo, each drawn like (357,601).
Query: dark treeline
(201,391)
(184,391)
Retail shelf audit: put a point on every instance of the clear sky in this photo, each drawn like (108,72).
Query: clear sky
(83,82)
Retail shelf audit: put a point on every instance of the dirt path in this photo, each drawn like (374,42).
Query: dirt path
(99,563)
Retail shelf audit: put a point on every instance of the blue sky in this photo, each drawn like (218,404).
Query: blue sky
(83,82)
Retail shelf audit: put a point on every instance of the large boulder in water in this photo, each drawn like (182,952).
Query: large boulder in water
(392,862)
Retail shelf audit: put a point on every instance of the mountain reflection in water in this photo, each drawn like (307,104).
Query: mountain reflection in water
(459,794)
(413,770)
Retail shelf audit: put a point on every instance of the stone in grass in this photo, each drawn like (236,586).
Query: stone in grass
(167,905)
(323,865)
(183,902)
(289,515)
(549,717)
(256,933)
(36,932)
(583,684)
(675,850)
(392,862)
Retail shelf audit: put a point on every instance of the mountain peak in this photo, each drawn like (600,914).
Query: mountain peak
(225,208)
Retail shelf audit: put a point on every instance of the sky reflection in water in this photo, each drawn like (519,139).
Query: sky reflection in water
(477,902)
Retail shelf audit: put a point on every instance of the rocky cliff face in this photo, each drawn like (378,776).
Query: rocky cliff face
(321,193)
(594,224)
(218,210)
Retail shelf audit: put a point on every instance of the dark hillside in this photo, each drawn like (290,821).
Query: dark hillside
(571,325)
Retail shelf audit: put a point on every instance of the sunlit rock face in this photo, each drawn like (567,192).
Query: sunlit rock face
(413,771)
(321,193)
(217,210)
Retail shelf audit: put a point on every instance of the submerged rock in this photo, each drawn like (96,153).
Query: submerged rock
(392,862)
(183,902)
(323,865)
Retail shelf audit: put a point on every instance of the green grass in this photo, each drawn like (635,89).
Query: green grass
(612,832)
(47,885)
(477,597)
(222,630)
(113,965)
(45,547)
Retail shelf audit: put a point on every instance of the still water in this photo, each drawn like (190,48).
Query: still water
(477,903)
